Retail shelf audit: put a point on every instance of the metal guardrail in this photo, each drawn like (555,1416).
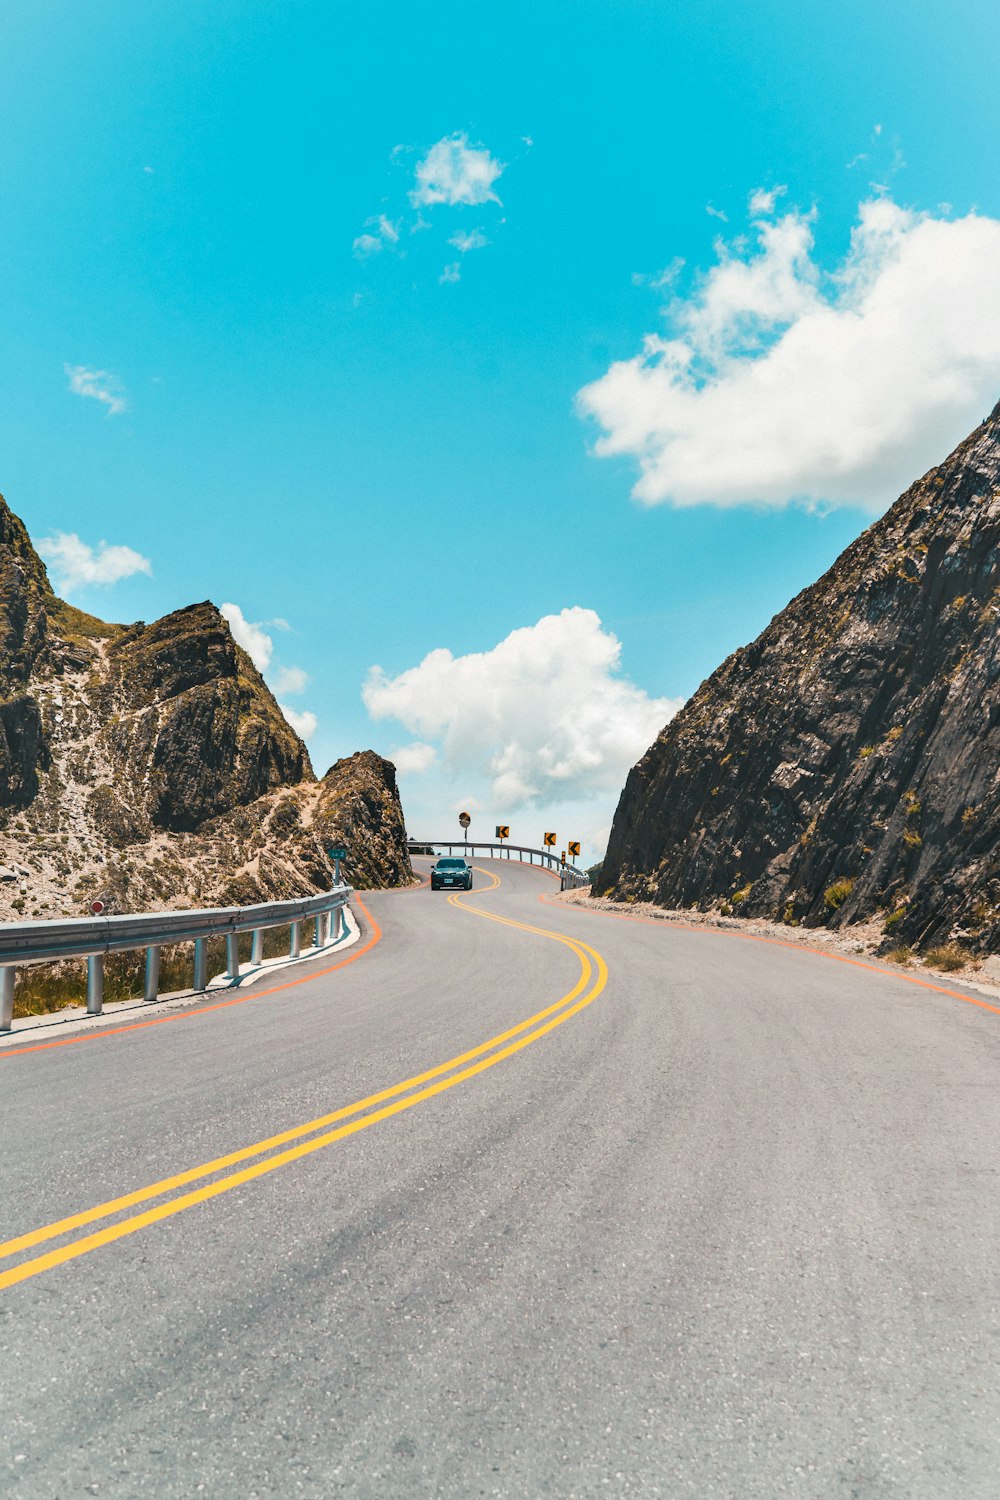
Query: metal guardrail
(93,937)
(570,877)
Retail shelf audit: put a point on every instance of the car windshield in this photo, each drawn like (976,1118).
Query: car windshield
(451,864)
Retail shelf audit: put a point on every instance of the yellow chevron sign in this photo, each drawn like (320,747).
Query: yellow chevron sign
(503,830)
(574,848)
(550,841)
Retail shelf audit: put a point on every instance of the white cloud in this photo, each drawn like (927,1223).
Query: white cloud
(451,273)
(100,385)
(762,200)
(413,759)
(454,172)
(254,639)
(259,646)
(716,213)
(779,382)
(77,565)
(543,715)
(474,240)
(290,681)
(303,722)
(370,243)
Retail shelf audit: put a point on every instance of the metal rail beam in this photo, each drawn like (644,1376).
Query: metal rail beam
(94,937)
(570,877)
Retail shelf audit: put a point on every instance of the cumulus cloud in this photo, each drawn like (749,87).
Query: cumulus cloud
(290,681)
(778,381)
(545,714)
(99,385)
(302,721)
(454,172)
(254,639)
(259,646)
(452,272)
(474,240)
(414,759)
(77,565)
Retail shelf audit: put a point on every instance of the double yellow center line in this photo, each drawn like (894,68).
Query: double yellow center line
(166,1198)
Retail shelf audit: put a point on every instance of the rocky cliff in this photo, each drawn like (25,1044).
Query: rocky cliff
(150,765)
(846,765)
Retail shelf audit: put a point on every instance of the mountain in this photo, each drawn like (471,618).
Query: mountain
(846,765)
(150,766)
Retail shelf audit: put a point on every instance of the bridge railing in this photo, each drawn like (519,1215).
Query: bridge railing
(94,937)
(570,877)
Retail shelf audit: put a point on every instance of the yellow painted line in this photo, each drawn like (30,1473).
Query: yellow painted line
(547,1020)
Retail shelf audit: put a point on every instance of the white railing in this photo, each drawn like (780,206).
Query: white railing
(94,937)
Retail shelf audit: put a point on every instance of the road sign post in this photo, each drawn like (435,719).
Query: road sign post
(337,852)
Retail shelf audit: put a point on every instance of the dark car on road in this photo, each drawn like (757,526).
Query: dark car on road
(451,872)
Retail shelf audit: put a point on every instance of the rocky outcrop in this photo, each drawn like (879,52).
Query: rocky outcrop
(358,807)
(846,765)
(150,766)
(196,720)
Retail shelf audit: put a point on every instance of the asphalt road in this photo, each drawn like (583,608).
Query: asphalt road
(723,1220)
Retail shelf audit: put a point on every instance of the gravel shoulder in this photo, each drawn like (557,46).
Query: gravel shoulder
(863,938)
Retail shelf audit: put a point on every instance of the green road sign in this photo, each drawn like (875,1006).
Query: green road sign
(337,853)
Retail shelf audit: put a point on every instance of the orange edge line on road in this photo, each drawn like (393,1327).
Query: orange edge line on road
(201,1010)
(755,937)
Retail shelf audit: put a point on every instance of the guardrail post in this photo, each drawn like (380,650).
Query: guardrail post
(7,997)
(338,923)
(295,940)
(257,950)
(200,964)
(318,931)
(151,985)
(232,955)
(95,984)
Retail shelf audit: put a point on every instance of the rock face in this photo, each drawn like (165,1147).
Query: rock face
(150,766)
(358,806)
(846,765)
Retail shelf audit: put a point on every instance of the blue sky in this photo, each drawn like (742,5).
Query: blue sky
(394,464)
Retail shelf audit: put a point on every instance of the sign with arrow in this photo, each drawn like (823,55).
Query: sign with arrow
(503,830)
(550,841)
(574,848)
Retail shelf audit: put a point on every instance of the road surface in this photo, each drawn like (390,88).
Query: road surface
(552,1205)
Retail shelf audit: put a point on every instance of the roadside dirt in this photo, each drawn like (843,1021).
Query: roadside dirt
(863,938)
